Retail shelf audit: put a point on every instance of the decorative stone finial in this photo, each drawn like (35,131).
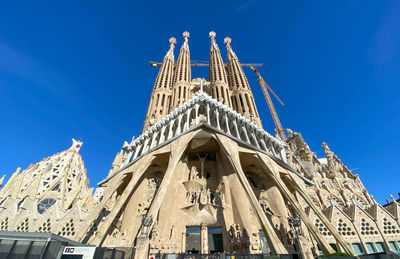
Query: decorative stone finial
(228,41)
(172,41)
(186,35)
(2,180)
(212,35)
(76,145)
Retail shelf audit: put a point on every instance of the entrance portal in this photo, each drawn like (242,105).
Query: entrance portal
(193,240)
(215,240)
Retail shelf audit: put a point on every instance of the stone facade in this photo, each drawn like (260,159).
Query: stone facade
(204,177)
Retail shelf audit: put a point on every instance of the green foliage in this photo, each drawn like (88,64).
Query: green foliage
(338,254)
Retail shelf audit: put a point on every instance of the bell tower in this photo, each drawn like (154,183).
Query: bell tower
(217,74)
(242,97)
(160,99)
(182,77)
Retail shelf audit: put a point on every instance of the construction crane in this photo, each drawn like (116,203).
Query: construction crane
(265,87)
(157,64)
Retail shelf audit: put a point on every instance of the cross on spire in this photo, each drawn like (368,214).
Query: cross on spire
(201,84)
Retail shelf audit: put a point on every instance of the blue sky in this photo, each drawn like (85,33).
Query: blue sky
(79,69)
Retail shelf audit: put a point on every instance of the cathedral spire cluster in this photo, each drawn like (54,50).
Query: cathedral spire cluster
(173,86)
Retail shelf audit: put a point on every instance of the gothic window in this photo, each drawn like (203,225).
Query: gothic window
(68,230)
(162,100)
(23,227)
(22,200)
(45,226)
(4,225)
(241,103)
(389,227)
(56,188)
(344,229)
(367,228)
(45,205)
(322,228)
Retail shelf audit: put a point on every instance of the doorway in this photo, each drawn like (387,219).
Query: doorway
(193,240)
(215,244)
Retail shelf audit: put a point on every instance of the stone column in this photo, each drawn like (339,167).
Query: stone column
(204,239)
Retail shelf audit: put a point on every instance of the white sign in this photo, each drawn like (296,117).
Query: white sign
(87,252)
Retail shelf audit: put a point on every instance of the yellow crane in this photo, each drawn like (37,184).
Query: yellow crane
(158,64)
(265,87)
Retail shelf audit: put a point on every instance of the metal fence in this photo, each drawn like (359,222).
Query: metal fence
(222,256)
(383,255)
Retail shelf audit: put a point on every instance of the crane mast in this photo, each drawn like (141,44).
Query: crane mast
(265,87)
(158,64)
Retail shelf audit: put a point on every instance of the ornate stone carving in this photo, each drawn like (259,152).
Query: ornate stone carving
(194,174)
(205,196)
(235,233)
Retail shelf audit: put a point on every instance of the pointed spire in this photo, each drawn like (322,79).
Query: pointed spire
(183,75)
(212,35)
(392,198)
(161,96)
(186,35)
(217,74)
(76,145)
(231,54)
(170,52)
(2,180)
(242,97)
(10,182)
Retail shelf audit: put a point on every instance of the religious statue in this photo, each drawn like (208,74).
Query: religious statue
(193,174)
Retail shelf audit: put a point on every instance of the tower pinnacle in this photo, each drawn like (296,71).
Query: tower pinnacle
(186,35)
(182,77)
(212,36)
(217,74)
(172,40)
(242,97)
(161,96)
(170,52)
(228,41)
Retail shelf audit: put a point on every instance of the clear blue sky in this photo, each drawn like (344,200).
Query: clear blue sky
(81,69)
